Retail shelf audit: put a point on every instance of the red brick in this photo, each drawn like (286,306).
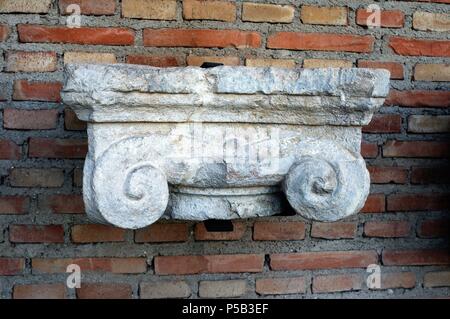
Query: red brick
(56,148)
(415,257)
(97,234)
(433,228)
(405,280)
(30,119)
(395,68)
(420,47)
(157,61)
(9,150)
(104,291)
(430,175)
(83,35)
(279,231)
(108,265)
(336,230)
(375,203)
(14,204)
(336,283)
(388,174)
(4,32)
(201,38)
(280,286)
(416,149)
(39,291)
(238,232)
(11,266)
(71,121)
(384,123)
(416,202)
(37,91)
(320,42)
(163,233)
(184,265)
(62,204)
(369,150)
(387,229)
(36,234)
(418,98)
(323,260)
(89,7)
(388,18)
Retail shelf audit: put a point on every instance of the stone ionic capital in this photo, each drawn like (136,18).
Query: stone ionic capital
(222,143)
(326,182)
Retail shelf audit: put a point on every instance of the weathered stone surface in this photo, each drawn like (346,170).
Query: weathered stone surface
(326,182)
(222,143)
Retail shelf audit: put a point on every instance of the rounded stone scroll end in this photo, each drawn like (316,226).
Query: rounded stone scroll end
(129,191)
(326,182)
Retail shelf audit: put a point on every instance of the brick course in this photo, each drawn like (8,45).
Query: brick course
(403,226)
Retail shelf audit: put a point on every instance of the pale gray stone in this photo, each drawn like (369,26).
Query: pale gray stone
(222,143)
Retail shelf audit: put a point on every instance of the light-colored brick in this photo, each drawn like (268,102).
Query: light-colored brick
(336,283)
(323,15)
(324,63)
(89,57)
(222,288)
(437,279)
(150,9)
(19,119)
(432,72)
(39,291)
(21,61)
(427,21)
(25,6)
(104,291)
(209,10)
(429,123)
(89,7)
(279,63)
(406,280)
(164,290)
(36,177)
(280,286)
(199,60)
(260,12)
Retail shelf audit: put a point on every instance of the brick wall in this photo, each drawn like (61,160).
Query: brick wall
(403,227)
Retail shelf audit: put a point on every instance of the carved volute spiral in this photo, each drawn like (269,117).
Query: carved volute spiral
(326,182)
(134,192)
